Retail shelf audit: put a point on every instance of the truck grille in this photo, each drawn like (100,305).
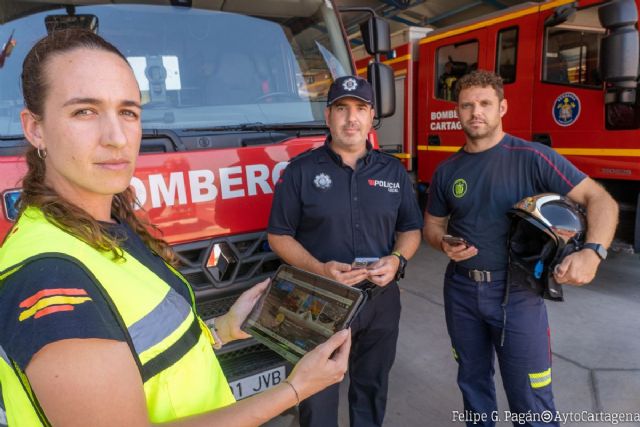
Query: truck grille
(215,307)
(248,361)
(247,260)
(237,263)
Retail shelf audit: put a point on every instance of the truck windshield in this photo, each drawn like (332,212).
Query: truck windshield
(228,64)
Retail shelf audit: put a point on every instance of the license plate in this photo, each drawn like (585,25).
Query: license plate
(262,381)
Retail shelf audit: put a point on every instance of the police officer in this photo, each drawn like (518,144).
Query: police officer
(339,202)
(469,198)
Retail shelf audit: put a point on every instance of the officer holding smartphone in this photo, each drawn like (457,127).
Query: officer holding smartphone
(469,197)
(454,241)
(333,209)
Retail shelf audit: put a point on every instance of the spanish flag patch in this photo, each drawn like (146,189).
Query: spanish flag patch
(49,301)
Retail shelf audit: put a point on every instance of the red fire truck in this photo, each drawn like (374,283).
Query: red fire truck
(570,77)
(231,91)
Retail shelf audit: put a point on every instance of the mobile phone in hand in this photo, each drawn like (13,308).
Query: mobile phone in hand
(454,241)
(363,262)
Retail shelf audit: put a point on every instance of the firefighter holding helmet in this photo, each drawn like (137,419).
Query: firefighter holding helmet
(470,197)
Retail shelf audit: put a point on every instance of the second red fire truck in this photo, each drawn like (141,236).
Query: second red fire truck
(570,71)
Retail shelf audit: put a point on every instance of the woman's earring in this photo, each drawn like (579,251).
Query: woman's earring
(42,153)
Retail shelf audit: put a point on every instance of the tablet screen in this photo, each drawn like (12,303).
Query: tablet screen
(301,310)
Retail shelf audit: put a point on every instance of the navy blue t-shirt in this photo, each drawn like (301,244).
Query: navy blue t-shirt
(477,189)
(339,214)
(30,319)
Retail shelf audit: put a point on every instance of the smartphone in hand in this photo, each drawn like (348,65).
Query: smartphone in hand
(455,241)
(363,262)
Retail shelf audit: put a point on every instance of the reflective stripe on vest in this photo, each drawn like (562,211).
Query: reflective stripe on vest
(162,329)
(160,322)
(4,356)
(18,410)
(3,413)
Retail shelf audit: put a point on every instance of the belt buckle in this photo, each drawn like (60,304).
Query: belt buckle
(370,289)
(480,276)
(374,291)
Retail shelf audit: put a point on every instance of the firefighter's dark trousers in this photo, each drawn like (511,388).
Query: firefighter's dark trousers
(374,336)
(475,321)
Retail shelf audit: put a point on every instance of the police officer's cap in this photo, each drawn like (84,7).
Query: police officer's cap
(350,87)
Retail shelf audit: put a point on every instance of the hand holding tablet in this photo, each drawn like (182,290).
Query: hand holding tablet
(301,310)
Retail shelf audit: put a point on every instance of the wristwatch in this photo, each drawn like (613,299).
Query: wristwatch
(597,248)
(402,266)
(217,341)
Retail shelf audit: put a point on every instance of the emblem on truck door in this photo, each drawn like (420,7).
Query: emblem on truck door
(566,109)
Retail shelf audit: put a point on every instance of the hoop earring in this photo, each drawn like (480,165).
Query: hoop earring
(42,153)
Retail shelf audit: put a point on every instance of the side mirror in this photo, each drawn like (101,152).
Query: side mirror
(619,58)
(618,14)
(381,78)
(620,50)
(376,35)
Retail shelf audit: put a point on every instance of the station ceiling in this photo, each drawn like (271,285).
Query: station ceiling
(421,13)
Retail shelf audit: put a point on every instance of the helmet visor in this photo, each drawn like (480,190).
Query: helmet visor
(528,244)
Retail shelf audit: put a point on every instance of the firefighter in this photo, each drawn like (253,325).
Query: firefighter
(447,81)
(340,202)
(469,198)
(97,328)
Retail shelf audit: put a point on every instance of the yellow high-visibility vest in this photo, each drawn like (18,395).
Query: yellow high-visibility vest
(170,344)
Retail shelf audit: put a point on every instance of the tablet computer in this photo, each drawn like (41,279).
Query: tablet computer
(300,310)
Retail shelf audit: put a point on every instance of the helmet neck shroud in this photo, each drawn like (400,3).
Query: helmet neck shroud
(540,238)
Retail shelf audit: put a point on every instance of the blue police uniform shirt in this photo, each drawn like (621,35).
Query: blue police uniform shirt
(477,189)
(338,214)
(26,329)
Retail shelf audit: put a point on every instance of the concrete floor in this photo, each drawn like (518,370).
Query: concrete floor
(595,342)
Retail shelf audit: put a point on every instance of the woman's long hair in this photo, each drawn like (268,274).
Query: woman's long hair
(36,193)
(76,221)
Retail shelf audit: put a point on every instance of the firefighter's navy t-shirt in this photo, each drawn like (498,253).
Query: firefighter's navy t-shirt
(477,189)
(53,299)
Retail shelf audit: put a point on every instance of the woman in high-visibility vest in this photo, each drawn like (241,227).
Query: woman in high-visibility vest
(97,329)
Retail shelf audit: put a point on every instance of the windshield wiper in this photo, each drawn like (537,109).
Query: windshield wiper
(262,127)
(7,49)
(176,141)
(11,137)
